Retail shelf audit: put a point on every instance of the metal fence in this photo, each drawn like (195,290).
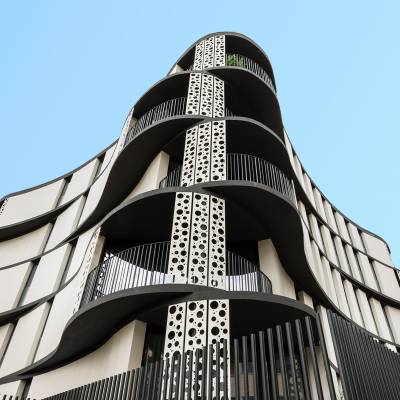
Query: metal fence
(369,370)
(147,265)
(248,168)
(238,60)
(167,109)
(279,363)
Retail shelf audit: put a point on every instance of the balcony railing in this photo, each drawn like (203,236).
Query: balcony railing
(147,265)
(172,179)
(247,168)
(238,60)
(167,109)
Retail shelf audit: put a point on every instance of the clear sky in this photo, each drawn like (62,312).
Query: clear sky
(71,70)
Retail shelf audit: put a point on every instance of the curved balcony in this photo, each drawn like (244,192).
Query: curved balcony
(147,265)
(167,109)
(244,167)
(241,61)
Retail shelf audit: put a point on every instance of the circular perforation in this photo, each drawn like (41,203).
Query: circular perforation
(208,59)
(198,56)
(207,94)
(179,249)
(218,154)
(219,98)
(198,262)
(193,97)
(203,154)
(189,158)
(217,248)
(219,58)
(174,335)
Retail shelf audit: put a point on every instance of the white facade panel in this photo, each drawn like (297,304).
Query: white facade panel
(31,203)
(5,333)
(122,352)
(353,304)
(376,248)
(343,264)
(155,172)
(355,236)
(61,311)
(366,312)
(393,316)
(79,252)
(309,189)
(271,265)
(330,216)
(48,274)
(377,311)
(342,226)
(22,346)
(388,282)
(80,181)
(340,293)
(12,284)
(319,203)
(66,223)
(366,270)
(23,247)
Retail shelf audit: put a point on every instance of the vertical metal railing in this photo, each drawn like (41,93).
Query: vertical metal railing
(172,179)
(137,266)
(167,109)
(147,265)
(248,168)
(267,365)
(244,275)
(238,60)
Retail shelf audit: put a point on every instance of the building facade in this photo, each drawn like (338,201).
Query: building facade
(194,258)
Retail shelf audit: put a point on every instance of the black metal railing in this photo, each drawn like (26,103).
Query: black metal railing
(238,60)
(172,179)
(250,168)
(247,168)
(244,275)
(287,361)
(369,370)
(138,266)
(167,109)
(147,265)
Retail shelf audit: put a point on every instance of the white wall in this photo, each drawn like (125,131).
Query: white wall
(155,172)
(80,181)
(23,247)
(31,203)
(12,283)
(123,351)
(387,280)
(376,248)
(66,223)
(271,266)
(48,274)
(23,342)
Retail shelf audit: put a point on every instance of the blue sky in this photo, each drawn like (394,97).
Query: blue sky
(71,70)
